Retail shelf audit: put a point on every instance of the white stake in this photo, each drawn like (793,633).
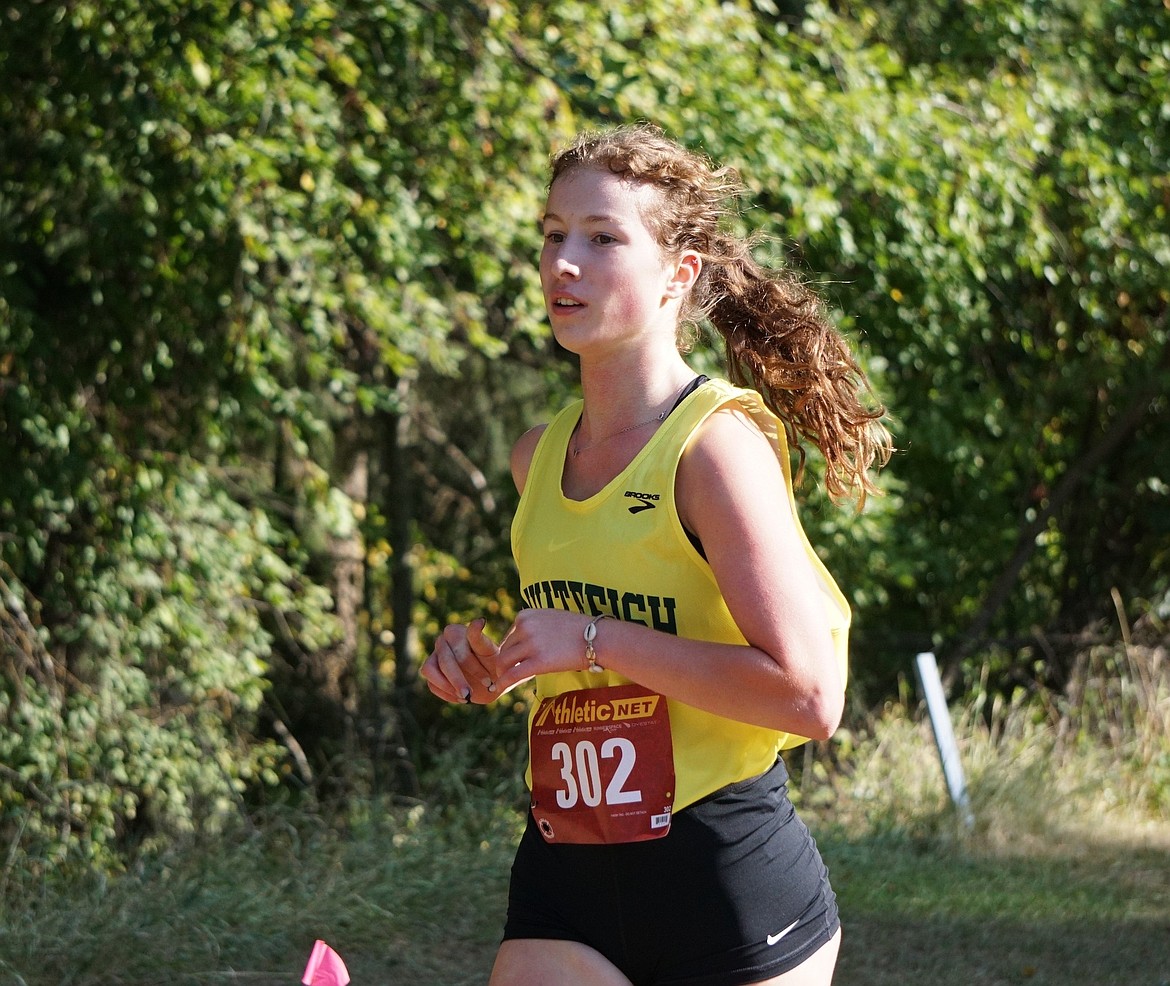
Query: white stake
(944,734)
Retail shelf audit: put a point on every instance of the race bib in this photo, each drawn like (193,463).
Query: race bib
(602,766)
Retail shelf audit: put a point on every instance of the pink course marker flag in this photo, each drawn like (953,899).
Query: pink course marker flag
(325,967)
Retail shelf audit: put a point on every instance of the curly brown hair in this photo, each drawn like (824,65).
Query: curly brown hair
(778,338)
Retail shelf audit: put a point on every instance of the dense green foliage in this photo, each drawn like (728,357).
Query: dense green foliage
(269,322)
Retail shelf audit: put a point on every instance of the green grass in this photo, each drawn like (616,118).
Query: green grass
(404,899)
(1065,879)
(405,902)
(1091,913)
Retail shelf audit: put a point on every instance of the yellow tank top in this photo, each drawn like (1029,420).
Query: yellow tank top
(623,552)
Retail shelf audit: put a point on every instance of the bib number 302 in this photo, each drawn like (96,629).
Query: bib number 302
(581,773)
(602,765)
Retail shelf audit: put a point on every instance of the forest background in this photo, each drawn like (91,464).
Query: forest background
(269,322)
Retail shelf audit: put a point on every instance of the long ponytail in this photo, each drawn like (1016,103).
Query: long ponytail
(779,341)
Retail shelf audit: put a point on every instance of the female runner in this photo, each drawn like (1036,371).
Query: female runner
(680,629)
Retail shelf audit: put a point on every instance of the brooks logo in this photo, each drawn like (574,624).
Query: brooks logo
(646,501)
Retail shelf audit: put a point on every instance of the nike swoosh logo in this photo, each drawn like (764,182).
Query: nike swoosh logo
(772,939)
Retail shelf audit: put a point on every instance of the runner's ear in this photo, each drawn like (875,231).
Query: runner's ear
(686,273)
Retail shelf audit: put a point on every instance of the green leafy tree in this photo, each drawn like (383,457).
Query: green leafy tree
(239,237)
(1005,223)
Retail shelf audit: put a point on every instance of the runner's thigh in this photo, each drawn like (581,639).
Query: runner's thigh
(551,962)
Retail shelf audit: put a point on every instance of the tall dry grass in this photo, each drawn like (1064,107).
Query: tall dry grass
(1041,765)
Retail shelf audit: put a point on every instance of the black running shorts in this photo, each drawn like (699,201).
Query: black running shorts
(735,893)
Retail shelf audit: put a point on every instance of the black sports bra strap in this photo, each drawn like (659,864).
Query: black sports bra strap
(689,389)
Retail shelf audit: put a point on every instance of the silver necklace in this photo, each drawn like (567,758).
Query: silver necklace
(578,449)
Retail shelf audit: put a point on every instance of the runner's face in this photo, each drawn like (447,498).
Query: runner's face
(604,275)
